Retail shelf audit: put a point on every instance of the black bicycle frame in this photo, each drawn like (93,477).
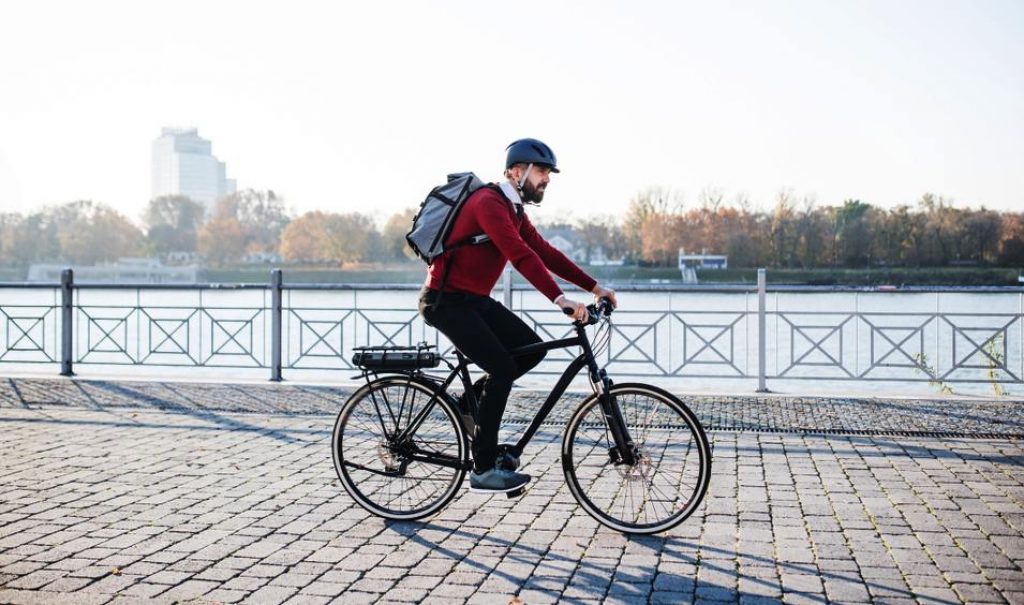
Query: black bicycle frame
(612,413)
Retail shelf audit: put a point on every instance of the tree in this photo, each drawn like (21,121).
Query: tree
(222,240)
(783,231)
(594,235)
(981,229)
(10,226)
(894,237)
(940,232)
(174,222)
(646,204)
(850,244)
(328,237)
(393,236)
(261,217)
(1011,240)
(89,233)
(30,239)
(306,239)
(353,237)
(662,236)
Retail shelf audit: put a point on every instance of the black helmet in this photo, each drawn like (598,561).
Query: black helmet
(530,151)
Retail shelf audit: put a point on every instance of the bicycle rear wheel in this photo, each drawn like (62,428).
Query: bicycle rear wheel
(673,466)
(387,472)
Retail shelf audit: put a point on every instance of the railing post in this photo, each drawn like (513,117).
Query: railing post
(507,286)
(67,282)
(276,281)
(762,345)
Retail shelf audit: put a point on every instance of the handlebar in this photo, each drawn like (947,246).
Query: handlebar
(602,308)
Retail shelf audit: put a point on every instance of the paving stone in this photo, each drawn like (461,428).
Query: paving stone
(271,595)
(242,505)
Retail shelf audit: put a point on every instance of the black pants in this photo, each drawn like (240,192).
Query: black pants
(484,330)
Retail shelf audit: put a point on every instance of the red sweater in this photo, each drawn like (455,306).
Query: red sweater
(476,268)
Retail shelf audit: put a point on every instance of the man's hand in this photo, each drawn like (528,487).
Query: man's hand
(579,310)
(602,292)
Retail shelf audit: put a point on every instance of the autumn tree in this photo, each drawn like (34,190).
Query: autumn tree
(306,238)
(329,237)
(1011,240)
(245,222)
(261,216)
(981,230)
(354,238)
(662,236)
(173,223)
(222,240)
(940,230)
(783,231)
(88,232)
(649,203)
(393,235)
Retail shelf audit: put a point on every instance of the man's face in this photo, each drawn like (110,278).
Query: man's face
(536,183)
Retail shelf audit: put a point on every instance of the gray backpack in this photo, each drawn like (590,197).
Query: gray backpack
(433,223)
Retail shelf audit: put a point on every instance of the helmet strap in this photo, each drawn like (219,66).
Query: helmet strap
(522,180)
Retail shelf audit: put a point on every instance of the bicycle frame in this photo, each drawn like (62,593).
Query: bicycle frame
(612,413)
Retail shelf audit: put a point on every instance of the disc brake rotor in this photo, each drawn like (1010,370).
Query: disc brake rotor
(636,472)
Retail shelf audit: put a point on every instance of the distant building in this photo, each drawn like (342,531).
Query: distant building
(703,260)
(261,257)
(599,258)
(566,247)
(125,270)
(183,164)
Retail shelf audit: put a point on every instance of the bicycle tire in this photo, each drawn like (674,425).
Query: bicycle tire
(369,463)
(671,477)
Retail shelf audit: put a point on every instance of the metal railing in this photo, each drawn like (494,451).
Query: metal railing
(752,333)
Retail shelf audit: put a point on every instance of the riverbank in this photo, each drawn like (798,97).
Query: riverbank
(632,274)
(412,273)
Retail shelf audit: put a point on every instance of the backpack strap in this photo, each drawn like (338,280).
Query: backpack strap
(471,241)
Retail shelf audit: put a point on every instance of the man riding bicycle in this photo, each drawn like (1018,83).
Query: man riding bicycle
(456,297)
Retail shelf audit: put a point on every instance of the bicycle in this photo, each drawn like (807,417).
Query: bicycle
(635,457)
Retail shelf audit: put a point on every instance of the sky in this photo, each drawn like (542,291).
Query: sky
(364,106)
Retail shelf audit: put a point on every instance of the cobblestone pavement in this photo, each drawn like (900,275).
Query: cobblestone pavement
(152,492)
(917,417)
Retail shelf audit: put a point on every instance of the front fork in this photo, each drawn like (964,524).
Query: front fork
(624,451)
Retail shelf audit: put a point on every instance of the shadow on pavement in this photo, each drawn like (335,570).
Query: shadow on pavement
(683,551)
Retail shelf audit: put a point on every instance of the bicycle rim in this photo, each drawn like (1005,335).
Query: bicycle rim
(671,477)
(373,465)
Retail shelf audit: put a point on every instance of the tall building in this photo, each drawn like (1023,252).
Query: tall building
(183,164)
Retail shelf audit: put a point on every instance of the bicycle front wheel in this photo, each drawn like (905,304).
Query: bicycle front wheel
(672,469)
(389,464)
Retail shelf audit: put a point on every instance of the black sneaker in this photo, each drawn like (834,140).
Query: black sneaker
(497,481)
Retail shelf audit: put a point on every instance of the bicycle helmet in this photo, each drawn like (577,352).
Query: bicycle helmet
(530,151)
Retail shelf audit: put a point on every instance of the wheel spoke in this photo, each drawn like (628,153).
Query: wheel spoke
(670,476)
(423,487)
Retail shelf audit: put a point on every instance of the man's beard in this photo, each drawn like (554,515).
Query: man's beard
(532,195)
